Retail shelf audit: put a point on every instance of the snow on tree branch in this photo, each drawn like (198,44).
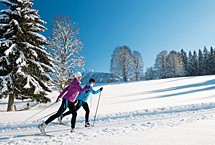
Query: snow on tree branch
(65,48)
(23,57)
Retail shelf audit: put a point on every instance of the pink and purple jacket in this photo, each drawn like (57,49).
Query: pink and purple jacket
(70,93)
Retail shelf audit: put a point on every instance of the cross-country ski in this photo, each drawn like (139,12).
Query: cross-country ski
(26,135)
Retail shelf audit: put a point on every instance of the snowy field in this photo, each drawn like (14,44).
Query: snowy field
(178,111)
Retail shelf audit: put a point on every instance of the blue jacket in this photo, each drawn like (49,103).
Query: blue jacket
(85,95)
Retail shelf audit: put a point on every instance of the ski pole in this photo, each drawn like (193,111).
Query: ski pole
(91,100)
(97,109)
(47,115)
(40,111)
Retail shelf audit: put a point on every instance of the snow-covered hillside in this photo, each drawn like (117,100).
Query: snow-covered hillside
(179,111)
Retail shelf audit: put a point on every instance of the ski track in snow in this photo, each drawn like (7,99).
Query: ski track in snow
(108,125)
(179,111)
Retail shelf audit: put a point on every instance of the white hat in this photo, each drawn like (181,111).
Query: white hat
(77,74)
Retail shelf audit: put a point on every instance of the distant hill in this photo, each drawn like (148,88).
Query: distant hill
(100,77)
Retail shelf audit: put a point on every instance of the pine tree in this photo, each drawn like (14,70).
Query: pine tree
(201,63)
(211,62)
(25,64)
(212,53)
(138,65)
(185,60)
(206,58)
(195,63)
(65,47)
(190,64)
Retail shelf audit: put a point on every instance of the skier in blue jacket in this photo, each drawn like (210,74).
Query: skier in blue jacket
(82,101)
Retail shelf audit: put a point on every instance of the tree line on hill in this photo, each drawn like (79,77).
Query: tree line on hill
(128,65)
(179,64)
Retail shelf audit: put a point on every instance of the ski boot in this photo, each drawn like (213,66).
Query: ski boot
(60,119)
(72,130)
(87,124)
(42,128)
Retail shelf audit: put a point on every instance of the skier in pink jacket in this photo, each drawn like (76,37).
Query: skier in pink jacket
(69,95)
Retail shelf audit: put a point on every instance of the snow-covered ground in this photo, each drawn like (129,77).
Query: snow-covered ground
(178,111)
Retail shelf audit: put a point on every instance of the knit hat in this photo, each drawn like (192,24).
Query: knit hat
(77,74)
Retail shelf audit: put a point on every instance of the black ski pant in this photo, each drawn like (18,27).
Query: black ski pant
(63,107)
(78,106)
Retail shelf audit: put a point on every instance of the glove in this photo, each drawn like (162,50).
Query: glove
(58,99)
(101,89)
(91,85)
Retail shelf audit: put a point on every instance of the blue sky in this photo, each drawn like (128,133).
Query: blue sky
(148,26)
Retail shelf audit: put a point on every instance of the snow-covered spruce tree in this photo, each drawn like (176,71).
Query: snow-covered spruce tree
(160,63)
(196,64)
(122,63)
(190,64)
(212,60)
(25,64)
(206,59)
(65,48)
(193,64)
(138,65)
(200,62)
(185,59)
